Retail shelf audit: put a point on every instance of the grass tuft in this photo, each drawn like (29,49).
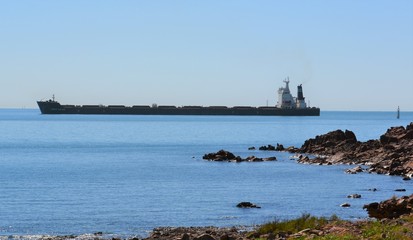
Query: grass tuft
(295,225)
(334,228)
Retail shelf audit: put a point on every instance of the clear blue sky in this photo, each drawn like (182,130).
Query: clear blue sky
(349,55)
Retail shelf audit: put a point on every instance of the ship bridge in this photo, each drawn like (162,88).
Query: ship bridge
(286,99)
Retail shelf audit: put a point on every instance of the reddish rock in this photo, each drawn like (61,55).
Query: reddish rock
(392,154)
(391,208)
(223,155)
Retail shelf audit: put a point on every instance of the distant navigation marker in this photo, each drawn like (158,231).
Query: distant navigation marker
(398,112)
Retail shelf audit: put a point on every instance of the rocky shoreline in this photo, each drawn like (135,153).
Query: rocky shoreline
(395,212)
(392,154)
(394,220)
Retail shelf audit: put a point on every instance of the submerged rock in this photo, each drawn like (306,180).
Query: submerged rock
(400,190)
(269,159)
(355,195)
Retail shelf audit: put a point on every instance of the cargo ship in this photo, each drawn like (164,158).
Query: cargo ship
(287,105)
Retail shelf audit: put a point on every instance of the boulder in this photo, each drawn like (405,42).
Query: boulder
(204,237)
(185,236)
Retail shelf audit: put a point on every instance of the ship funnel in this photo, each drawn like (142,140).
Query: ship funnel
(300,98)
(300,95)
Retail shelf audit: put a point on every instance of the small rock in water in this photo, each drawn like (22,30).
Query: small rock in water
(354,196)
(247,205)
(400,190)
(251,148)
(345,205)
(406,178)
(373,189)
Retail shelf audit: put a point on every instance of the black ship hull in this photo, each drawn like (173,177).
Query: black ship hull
(54,107)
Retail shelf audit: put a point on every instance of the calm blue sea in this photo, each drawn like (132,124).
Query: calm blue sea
(77,174)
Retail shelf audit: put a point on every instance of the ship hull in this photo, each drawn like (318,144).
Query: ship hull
(53,107)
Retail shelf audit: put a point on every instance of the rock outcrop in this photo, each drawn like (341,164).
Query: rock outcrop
(221,155)
(225,156)
(247,205)
(391,208)
(270,147)
(391,154)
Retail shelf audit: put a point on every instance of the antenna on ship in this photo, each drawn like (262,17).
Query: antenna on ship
(398,112)
(53,97)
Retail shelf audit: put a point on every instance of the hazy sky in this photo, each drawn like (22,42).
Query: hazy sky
(349,55)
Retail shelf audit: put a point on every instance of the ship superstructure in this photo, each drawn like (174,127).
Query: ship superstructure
(286,99)
(287,106)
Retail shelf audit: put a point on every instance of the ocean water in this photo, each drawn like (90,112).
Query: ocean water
(124,175)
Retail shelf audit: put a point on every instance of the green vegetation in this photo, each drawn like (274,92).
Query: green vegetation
(398,229)
(306,221)
(320,228)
